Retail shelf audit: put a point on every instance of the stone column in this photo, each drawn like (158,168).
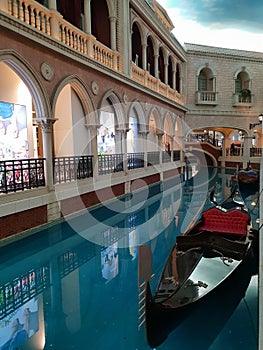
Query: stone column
(87,17)
(174,77)
(156,66)
(93,147)
(122,139)
(223,162)
(166,73)
(47,137)
(52,4)
(160,135)
(144,56)
(246,150)
(113,32)
(143,146)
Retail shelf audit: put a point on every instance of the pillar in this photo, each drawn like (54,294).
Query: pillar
(143,146)
(144,56)
(93,147)
(160,135)
(52,4)
(166,73)
(87,17)
(246,150)
(156,66)
(47,139)
(113,32)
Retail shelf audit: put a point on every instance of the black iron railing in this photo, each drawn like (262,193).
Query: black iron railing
(21,174)
(176,155)
(67,169)
(166,156)
(153,158)
(110,163)
(135,160)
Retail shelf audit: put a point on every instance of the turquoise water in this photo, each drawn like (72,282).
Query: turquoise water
(80,291)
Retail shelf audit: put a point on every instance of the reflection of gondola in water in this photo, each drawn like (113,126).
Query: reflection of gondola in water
(203,265)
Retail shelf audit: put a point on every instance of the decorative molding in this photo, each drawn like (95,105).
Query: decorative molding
(125,98)
(95,88)
(47,71)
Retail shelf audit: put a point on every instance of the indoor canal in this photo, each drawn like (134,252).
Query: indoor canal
(74,284)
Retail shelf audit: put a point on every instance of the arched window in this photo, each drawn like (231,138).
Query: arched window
(206,80)
(150,56)
(170,72)
(242,82)
(136,46)
(161,65)
(177,78)
(100,26)
(71,11)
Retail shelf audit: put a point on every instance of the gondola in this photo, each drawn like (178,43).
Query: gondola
(247,178)
(203,261)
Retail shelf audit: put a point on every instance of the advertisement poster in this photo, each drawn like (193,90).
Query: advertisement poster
(13,131)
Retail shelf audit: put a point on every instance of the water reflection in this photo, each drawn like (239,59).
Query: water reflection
(68,292)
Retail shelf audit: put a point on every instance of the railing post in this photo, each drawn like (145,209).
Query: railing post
(4,5)
(47,131)
(55,18)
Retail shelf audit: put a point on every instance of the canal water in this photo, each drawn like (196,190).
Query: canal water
(74,285)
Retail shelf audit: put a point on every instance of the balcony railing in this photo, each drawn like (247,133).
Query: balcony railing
(135,160)
(234,152)
(145,78)
(255,152)
(153,158)
(21,174)
(110,163)
(206,97)
(51,23)
(176,155)
(67,169)
(239,100)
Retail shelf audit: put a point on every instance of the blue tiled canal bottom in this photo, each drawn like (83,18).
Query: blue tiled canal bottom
(63,290)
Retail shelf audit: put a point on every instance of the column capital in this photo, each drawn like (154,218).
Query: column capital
(46,123)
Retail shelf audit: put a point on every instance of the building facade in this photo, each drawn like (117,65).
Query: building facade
(93,98)
(98,99)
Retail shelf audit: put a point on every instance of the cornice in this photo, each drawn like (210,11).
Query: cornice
(225,113)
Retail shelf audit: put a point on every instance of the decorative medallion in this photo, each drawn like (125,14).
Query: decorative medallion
(95,88)
(47,71)
(125,98)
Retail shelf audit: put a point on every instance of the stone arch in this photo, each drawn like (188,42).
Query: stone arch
(27,74)
(242,79)
(207,67)
(168,129)
(242,69)
(80,89)
(117,106)
(136,42)
(157,116)
(137,107)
